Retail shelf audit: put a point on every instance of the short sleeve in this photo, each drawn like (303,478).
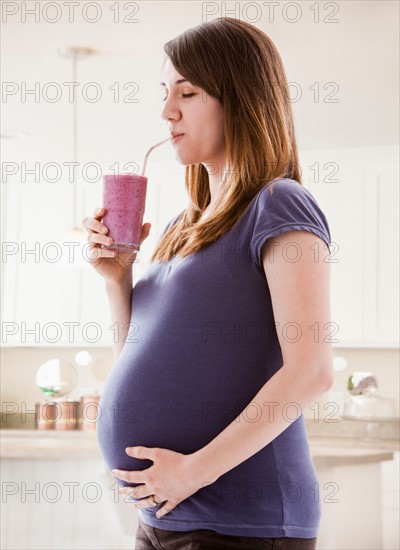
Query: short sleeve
(285,206)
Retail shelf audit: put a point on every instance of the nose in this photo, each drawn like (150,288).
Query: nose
(170,111)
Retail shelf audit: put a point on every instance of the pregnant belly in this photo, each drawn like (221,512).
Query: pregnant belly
(172,405)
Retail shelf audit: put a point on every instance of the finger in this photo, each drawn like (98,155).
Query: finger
(145,503)
(94,224)
(145,232)
(131,476)
(99,213)
(138,492)
(142,452)
(168,506)
(99,239)
(94,253)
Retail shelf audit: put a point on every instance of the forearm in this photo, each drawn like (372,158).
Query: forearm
(279,402)
(119,298)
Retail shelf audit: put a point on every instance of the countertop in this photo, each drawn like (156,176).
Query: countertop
(344,442)
(381,433)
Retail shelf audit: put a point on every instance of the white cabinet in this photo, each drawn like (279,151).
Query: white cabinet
(342,204)
(38,297)
(351,505)
(359,193)
(391,503)
(65,504)
(43,300)
(381,252)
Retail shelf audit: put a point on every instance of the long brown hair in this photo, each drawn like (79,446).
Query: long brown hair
(239,65)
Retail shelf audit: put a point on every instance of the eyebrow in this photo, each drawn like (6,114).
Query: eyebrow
(177,82)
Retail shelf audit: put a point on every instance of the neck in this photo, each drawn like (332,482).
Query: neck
(217,175)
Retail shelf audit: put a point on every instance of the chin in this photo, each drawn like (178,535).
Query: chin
(186,160)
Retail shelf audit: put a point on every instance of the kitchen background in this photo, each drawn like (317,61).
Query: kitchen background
(341,60)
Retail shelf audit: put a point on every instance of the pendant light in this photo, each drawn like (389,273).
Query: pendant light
(75,233)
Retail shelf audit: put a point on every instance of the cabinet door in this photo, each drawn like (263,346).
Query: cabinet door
(40,297)
(341,195)
(381,253)
(362,212)
(390,503)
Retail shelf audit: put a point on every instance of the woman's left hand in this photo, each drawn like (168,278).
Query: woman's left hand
(173,477)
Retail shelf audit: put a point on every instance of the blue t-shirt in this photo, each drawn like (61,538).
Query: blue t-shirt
(203,343)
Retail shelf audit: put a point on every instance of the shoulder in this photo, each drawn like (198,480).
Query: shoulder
(282,198)
(288,198)
(282,189)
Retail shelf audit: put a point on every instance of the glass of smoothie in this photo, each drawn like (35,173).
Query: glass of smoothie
(124,199)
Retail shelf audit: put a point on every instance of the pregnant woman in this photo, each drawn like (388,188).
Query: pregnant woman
(224,340)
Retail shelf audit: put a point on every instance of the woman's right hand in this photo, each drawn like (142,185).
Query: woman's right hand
(112,265)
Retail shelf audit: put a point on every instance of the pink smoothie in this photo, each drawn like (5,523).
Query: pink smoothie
(124,198)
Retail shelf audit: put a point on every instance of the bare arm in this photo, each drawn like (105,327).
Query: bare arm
(116,270)
(301,304)
(119,299)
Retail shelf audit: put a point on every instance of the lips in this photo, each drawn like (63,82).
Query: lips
(176,134)
(177,137)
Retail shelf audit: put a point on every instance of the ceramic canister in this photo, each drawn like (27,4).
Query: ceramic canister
(67,415)
(45,416)
(89,411)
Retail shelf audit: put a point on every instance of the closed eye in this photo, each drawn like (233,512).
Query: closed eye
(185,96)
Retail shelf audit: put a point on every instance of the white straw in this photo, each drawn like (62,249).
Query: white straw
(149,151)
